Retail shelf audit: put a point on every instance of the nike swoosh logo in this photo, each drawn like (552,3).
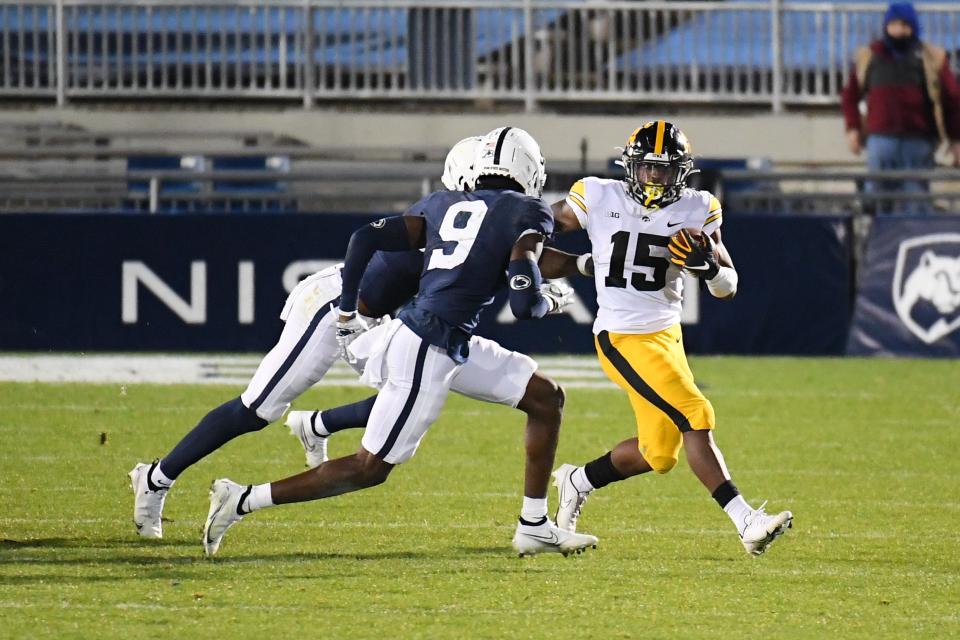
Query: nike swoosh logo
(552,539)
(675,223)
(150,484)
(211,519)
(565,500)
(243,496)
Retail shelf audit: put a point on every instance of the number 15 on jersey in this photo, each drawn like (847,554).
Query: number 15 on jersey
(651,252)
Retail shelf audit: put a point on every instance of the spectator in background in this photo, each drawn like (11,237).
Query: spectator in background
(912,99)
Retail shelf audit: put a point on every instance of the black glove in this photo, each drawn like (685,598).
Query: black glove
(695,254)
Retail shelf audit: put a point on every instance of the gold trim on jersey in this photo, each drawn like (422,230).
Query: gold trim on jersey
(575,200)
(714,204)
(715,216)
(578,195)
(658,144)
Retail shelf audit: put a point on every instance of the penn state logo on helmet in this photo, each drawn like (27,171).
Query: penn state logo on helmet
(657,160)
(926,285)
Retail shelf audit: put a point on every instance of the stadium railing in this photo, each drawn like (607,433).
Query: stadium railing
(765,52)
(309,183)
(829,191)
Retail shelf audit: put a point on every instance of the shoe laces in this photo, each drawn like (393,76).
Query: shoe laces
(752,517)
(756,514)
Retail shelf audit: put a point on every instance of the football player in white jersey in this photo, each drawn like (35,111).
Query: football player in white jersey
(645,230)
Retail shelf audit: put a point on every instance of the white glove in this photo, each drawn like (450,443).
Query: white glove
(355,363)
(348,331)
(558,295)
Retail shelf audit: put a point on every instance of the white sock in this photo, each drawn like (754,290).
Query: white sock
(534,509)
(738,510)
(316,423)
(580,482)
(159,478)
(260,497)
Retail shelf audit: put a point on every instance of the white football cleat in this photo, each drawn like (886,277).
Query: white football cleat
(147,501)
(761,530)
(226,497)
(570,500)
(547,537)
(315,447)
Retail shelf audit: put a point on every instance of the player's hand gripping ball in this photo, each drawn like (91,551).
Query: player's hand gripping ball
(349,328)
(694,252)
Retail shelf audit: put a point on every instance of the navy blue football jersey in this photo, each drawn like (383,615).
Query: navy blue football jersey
(469,237)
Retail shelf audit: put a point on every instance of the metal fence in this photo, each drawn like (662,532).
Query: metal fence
(108,184)
(774,52)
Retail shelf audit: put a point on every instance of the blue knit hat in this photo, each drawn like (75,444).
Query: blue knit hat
(903,11)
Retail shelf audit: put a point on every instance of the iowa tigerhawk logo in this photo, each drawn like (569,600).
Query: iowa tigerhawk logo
(926,285)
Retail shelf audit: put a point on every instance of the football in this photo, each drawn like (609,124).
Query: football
(696,235)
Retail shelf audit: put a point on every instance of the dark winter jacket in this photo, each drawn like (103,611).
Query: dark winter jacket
(911,94)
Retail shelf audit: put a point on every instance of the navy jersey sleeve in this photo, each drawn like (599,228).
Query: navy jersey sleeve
(537,218)
(421,206)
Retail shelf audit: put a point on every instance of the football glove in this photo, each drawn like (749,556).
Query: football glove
(694,255)
(557,294)
(348,331)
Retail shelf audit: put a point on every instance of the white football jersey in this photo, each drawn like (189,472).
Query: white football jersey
(638,288)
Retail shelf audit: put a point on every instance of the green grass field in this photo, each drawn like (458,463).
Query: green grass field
(864,452)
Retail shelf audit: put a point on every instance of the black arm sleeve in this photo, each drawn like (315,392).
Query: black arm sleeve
(388,234)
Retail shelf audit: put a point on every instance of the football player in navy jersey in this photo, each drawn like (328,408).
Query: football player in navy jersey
(471,240)
(308,347)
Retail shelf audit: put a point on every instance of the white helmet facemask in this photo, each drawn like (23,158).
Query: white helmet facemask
(512,153)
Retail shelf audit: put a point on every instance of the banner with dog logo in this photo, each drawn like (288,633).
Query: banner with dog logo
(908,301)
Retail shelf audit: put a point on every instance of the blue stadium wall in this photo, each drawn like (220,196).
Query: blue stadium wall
(217,283)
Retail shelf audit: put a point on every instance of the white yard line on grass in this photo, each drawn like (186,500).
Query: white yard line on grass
(573,372)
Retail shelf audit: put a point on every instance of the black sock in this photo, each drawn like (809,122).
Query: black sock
(350,416)
(220,426)
(601,471)
(725,493)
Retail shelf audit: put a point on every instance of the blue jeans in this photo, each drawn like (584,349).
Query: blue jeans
(900,152)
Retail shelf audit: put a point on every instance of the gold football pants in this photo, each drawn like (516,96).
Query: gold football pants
(652,368)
